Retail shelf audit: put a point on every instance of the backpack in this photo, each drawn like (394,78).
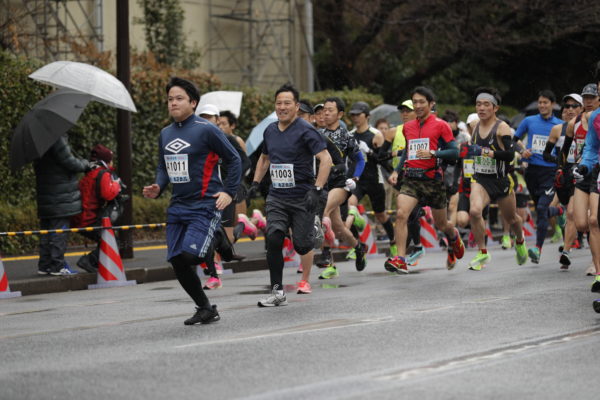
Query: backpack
(114,208)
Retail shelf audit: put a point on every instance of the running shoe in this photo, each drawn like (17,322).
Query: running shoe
(324,259)
(319,234)
(361,256)
(565,260)
(597,305)
(329,235)
(261,221)
(359,221)
(557,237)
(577,244)
(43,272)
(203,316)
(64,271)
(249,228)
(458,247)
(534,255)
(300,269)
(596,285)
(521,250)
(506,242)
(276,299)
(396,264)
(479,260)
(351,255)
(329,272)
(450,260)
(393,250)
(413,258)
(304,287)
(213,283)
(591,271)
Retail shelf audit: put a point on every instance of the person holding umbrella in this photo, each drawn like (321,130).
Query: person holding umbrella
(58,199)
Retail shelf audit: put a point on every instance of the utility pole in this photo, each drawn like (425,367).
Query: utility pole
(124,126)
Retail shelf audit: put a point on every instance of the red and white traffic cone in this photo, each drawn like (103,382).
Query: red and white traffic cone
(429,237)
(367,237)
(110,266)
(5,292)
(290,257)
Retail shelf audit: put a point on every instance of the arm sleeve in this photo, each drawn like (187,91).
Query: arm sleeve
(508,154)
(449,152)
(402,160)
(547,155)
(358,158)
(564,151)
(220,145)
(63,156)
(162,178)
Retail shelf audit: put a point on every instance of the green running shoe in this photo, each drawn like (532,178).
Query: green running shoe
(351,254)
(359,222)
(506,242)
(329,272)
(479,260)
(557,237)
(596,285)
(393,250)
(521,250)
(534,255)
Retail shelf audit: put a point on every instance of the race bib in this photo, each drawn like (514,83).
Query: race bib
(468,169)
(538,144)
(177,168)
(417,144)
(282,176)
(485,165)
(572,151)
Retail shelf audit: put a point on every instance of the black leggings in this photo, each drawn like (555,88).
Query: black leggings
(414,227)
(275,257)
(184,265)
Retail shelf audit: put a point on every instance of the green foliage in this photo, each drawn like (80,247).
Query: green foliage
(163,22)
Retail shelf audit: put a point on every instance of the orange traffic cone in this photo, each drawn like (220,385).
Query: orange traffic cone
(110,266)
(5,292)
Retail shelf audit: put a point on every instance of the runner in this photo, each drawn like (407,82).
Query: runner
(428,138)
(589,166)
(563,182)
(370,142)
(539,174)
(290,146)
(188,151)
(493,151)
(339,186)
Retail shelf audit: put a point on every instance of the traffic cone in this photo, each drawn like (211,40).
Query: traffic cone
(5,292)
(429,237)
(528,226)
(110,266)
(366,236)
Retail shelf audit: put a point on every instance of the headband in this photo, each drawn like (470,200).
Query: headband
(487,96)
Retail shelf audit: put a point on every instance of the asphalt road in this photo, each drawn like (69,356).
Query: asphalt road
(505,332)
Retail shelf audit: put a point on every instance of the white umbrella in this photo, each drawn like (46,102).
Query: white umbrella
(85,78)
(224,100)
(256,136)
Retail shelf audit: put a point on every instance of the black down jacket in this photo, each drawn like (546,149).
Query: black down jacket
(57,183)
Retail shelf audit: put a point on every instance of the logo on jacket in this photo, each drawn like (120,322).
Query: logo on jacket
(175,146)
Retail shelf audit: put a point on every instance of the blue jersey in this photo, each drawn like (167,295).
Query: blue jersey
(537,130)
(188,154)
(591,148)
(291,156)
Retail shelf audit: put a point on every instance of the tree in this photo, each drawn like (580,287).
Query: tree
(391,46)
(163,22)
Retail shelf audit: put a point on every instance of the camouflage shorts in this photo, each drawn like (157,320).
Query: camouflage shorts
(429,192)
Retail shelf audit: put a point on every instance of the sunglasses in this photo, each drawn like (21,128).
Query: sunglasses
(571,106)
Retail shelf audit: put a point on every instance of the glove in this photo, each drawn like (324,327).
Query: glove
(579,173)
(364,147)
(253,191)
(559,178)
(473,150)
(311,199)
(350,185)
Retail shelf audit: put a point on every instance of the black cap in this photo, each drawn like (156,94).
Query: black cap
(305,107)
(359,107)
(591,89)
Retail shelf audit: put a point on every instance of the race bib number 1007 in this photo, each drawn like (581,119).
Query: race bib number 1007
(177,168)
(282,176)
(417,144)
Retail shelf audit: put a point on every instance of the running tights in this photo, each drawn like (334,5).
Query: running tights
(544,212)
(414,227)
(275,257)
(389,229)
(189,280)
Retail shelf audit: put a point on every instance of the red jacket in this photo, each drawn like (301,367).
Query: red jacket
(90,201)
(425,135)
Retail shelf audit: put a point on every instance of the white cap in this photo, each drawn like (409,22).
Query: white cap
(472,117)
(575,97)
(207,109)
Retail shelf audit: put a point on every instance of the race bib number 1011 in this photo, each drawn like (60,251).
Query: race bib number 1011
(177,168)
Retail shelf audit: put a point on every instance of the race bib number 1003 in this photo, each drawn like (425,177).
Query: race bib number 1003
(282,176)
(177,168)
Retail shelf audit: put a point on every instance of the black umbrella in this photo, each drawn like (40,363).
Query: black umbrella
(41,127)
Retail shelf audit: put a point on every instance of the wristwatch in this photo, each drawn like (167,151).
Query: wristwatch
(318,188)
(432,152)
(486,152)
